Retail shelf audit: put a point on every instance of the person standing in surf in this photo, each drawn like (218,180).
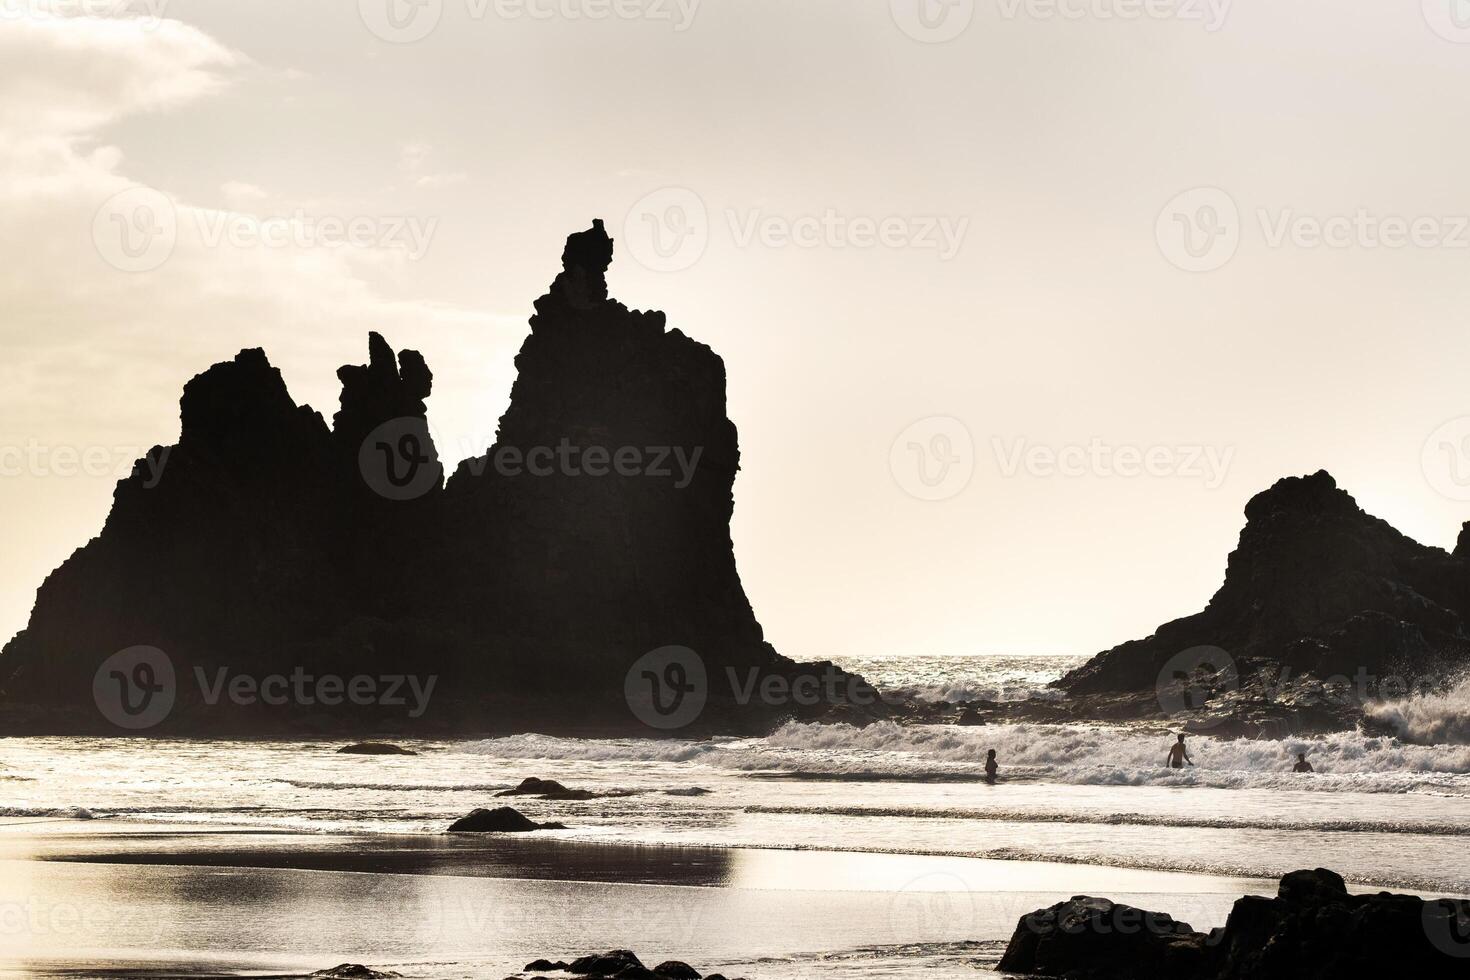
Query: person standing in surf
(1302,765)
(1178,754)
(990,767)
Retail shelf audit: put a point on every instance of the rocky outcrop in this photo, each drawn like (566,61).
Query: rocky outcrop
(1317,590)
(374,748)
(621,963)
(501,820)
(1095,939)
(547,789)
(594,530)
(1312,930)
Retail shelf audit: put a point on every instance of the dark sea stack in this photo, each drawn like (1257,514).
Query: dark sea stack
(595,530)
(587,571)
(215,548)
(1318,587)
(1312,930)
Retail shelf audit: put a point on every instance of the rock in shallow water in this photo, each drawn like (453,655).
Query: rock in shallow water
(354,971)
(374,748)
(547,789)
(1312,930)
(502,820)
(622,964)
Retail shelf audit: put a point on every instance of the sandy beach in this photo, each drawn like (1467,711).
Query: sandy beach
(101,898)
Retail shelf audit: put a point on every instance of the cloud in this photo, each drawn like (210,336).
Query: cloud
(100,331)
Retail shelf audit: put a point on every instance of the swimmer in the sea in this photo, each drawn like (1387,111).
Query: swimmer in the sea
(1302,765)
(990,767)
(1178,754)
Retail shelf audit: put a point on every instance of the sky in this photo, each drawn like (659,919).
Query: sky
(1020,300)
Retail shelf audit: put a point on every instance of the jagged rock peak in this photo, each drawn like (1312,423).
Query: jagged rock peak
(1462,546)
(1310,494)
(234,401)
(385,388)
(582,283)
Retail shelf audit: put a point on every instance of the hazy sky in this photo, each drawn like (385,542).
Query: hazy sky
(1020,301)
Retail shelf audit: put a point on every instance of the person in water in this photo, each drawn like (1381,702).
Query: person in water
(1302,765)
(990,767)
(1178,754)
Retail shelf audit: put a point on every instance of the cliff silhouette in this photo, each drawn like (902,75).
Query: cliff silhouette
(1317,589)
(594,530)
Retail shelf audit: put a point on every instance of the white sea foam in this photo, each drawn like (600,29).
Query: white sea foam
(1429,719)
(1080,755)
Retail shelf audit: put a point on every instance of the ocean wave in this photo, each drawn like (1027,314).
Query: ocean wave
(406,787)
(64,812)
(957,691)
(1127,819)
(1095,755)
(1428,719)
(551,748)
(1106,755)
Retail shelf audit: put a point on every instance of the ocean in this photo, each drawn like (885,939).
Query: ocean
(1383,812)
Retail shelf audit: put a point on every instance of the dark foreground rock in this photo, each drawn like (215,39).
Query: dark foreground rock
(1312,930)
(623,964)
(354,971)
(547,789)
(374,748)
(501,820)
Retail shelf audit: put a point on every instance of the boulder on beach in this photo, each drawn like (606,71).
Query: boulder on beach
(547,789)
(501,820)
(1096,939)
(374,748)
(354,971)
(1312,930)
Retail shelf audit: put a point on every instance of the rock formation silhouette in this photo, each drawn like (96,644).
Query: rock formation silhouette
(1312,929)
(595,530)
(1317,589)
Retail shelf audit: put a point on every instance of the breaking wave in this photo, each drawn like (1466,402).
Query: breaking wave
(1429,719)
(1074,754)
